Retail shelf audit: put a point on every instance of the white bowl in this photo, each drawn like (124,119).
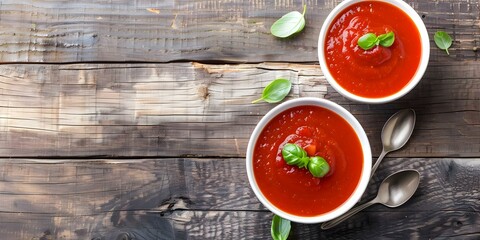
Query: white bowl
(425,52)
(367,159)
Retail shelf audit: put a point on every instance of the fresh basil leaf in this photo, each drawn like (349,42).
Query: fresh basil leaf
(443,40)
(295,155)
(275,91)
(289,24)
(367,41)
(280,228)
(387,39)
(318,167)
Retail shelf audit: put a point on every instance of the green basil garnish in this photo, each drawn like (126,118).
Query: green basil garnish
(318,167)
(367,41)
(387,39)
(280,228)
(443,40)
(371,40)
(289,24)
(295,155)
(275,91)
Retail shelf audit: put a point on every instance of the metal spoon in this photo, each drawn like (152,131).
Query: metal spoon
(394,191)
(395,133)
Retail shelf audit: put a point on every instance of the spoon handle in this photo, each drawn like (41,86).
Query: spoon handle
(375,166)
(351,212)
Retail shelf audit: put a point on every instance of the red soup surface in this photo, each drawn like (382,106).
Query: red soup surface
(320,132)
(380,71)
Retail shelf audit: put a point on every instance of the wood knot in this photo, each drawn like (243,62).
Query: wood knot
(172,204)
(47,235)
(124,236)
(202,92)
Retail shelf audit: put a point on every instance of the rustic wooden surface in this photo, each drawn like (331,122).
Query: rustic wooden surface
(201,30)
(130,119)
(209,198)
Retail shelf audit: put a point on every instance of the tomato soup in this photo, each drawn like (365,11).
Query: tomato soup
(380,71)
(320,132)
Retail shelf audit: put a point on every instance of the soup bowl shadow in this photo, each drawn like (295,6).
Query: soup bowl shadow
(415,79)
(365,170)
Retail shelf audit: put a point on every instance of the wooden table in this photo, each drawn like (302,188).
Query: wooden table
(129,120)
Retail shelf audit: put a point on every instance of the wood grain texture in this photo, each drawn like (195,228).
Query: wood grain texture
(168,140)
(138,110)
(191,224)
(210,198)
(202,30)
(193,109)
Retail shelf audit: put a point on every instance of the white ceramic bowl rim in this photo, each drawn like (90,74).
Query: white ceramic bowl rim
(367,165)
(425,55)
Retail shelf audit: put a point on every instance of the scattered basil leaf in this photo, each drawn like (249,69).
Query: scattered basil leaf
(275,91)
(289,24)
(295,155)
(370,40)
(280,228)
(367,41)
(318,167)
(443,40)
(387,39)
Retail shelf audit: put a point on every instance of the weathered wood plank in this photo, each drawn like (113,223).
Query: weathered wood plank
(195,109)
(211,198)
(180,109)
(163,185)
(235,224)
(138,110)
(202,30)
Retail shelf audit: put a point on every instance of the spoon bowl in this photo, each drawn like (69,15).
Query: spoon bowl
(394,191)
(395,133)
(398,129)
(398,188)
